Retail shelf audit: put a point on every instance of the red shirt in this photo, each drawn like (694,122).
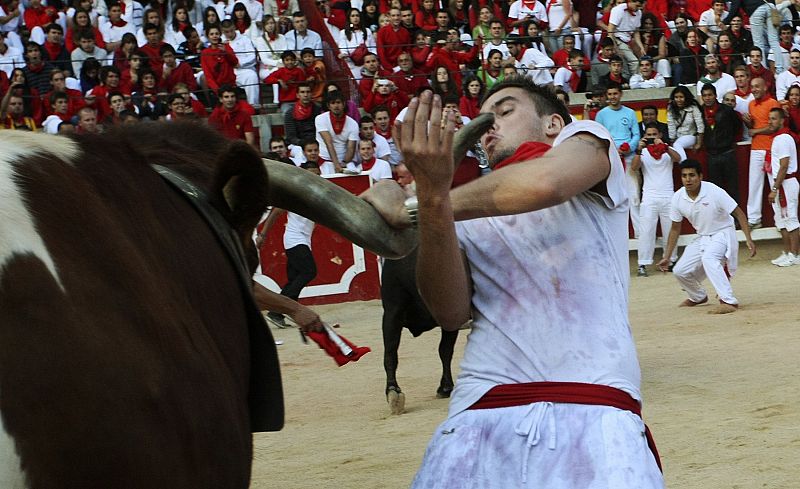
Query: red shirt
(291,77)
(218,66)
(71,45)
(394,101)
(183,73)
(74,101)
(153,54)
(39,16)
(451,60)
(391,44)
(232,124)
(410,81)
(469,106)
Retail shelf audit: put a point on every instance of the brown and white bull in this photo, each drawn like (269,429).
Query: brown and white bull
(131,354)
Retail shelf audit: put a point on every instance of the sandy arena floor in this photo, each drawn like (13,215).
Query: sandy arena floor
(721,392)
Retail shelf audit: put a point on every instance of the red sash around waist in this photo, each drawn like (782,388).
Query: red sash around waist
(507,395)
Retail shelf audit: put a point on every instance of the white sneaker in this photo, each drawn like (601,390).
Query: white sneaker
(779,259)
(788,261)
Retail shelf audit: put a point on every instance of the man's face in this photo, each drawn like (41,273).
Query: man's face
(367,130)
(229,33)
(634,5)
(794,59)
(169,59)
(382,121)
(311,152)
(736,23)
(148,80)
(755,58)
(758,87)
(613,97)
(394,17)
(152,36)
(33,54)
(371,63)
(54,36)
(709,98)
(442,19)
(517,120)
(337,107)
(712,66)
(569,44)
(404,177)
(407,16)
(718,7)
(691,180)
(112,79)
(304,95)
(87,45)
(652,133)
(114,13)
(60,106)
(308,59)
(729,99)
(645,68)
(405,62)
(366,150)
(193,39)
(649,115)
(742,80)
(300,24)
(514,49)
(117,103)
(496,30)
(576,62)
(775,121)
(229,100)
(178,106)
(786,35)
(615,67)
(16,106)
(88,121)
(680,24)
(279,148)
(607,52)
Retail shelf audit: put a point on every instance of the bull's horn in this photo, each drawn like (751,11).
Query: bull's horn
(468,136)
(315,198)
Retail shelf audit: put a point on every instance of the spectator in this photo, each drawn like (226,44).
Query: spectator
(314,69)
(782,172)
(758,70)
(378,169)
(12,113)
(719,139)
(109,82)
(572,78)
(530,62)
(87,121)
(723,82)
(370,15)
(441,82)
(152,47)
(650,115)
(496,39)
(351,108)
(492,72)
(173,32)
(425,18)
(692,58)
(789,77)
(443,25)
(561,57)
(655,45)
(623,28)
(86,50)
(122,56)
(785,41)
(136,64)
(147,99)
(230,119)
(337,135)
(174,72)
(621,124)
(369,72)
(421,49)
(656,161)
(36,70)
(31,99)
(482,26)
(153,17)
(711,23)
(302,37)
(535,37)
(116,102)
(354,35)
(58,84)
(287,77)
(299,122)
(757,120)
(685,121)
(270,45)
(792,108)
(245,70)
(741,76)
(243,22)
(446,54)
(366,131)
(614,74)
(469,105)
(647,76)
(82,23)
(385,93)
(177,109)
(284,8)
(37,17)
(392,40)
(741,39)
(59,106)
(676,45)
(765,34)
(407,19)
(521,12)
(57,54)
(193,106)
(114,28)
(728,58)
(218,60)
(407,78)
(210,17)
(383,127)
(559,21)
(132,12)
(602,65)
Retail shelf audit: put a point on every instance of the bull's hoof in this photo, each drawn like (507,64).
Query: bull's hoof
(396,400)
(444,391)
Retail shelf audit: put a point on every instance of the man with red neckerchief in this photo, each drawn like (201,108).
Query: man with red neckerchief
(299,121)
(781,167)
(623,28)
(370,71)
(790,77)
(530,62)
(531,219)
(37,15)
(758,70)
(757,120)
(647,76)
(392,40)
(572,78)
(231,119)
(451,59)
(337,135)
(115,27)
(407,78)
(719,140)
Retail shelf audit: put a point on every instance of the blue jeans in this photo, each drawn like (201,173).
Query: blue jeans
(765,35)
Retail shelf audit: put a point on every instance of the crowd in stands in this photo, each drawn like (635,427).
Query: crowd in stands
(87,64)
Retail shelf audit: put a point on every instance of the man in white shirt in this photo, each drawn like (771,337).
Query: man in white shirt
(303,37)
(527,11)
(530,62)
(711,211)
(711,23)
(87,49)
(337,135)
(366,130)
(572,78)
(647,76)
(784,189)
(623,28)
(115,27)
(722,82)
(245,50)
(790,77)
(498,32)
(10,56)
(656,160)
(376,168)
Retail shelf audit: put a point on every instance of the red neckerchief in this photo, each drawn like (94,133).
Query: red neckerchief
(521,53)
(282,5)
(550,4)
(710,114)
(615,78)
(756,72)
(632,12)
(794,71)
(122,7)
(694,49)
(574,78)
(527,151)
(529,4)
(652,75)
(787,46)
(657,150)
(741,93)
(36,69)
(602,59)
(337,122)
(387,134)
(241,26)
(768,163)
(119,23)
(272,35)
(725,55)
(302,112)
(492,72)
(367,165)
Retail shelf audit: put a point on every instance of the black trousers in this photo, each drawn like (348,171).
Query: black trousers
(300,270)
(723,171)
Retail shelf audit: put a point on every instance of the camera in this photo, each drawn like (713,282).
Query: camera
(383,81)
(650,141)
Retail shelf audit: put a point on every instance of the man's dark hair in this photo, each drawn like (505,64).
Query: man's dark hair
(85,34)
(652,125)
(307,51)
(277,139)
(756,48)
(544,98)
(777,110)
(381,108)
(58,96)
(53,26)
(496,21)
(333,97)
(173,97)
(606,42)
(298,14)
(288,54)
(226,89)
(613,85)
(707,87)
(575,54)
(166,48)
(786,27)
(306,142)
(188,31)
(615,58)
(451,98)
(366,119)
(114,93)
(149,27)
(105,70)
(227,24)
(492,51)
(691,163)
(649,107)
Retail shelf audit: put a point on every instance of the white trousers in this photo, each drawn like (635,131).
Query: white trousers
(786,217)
(247,79)
(633,185)
(540,445)
(704,257)
(654,210)
(682,143)
(755,187)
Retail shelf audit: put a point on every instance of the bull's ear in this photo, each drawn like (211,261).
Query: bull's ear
(241,181)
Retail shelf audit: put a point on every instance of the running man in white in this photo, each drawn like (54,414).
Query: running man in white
(711,211)
(784,189)
(549,390)
(656,160)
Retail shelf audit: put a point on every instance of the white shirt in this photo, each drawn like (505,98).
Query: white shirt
(783,146)
(533,64)
(133,13)
(112,33)
(11,59)
(269,52)
(296,42)
(707,19)
(381,170)
(783,81)
(638,81)
(709,213)
(382,149)
(726,83)
(625,22)
(550,292)
(245,51)
(561,79)
(298,231)
(518,11)
(657,175)
(349,133)
(500,47)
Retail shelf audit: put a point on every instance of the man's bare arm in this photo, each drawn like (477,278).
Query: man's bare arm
(576,165)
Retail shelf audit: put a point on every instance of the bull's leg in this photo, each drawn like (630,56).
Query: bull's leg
(391,344)
(447,345)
